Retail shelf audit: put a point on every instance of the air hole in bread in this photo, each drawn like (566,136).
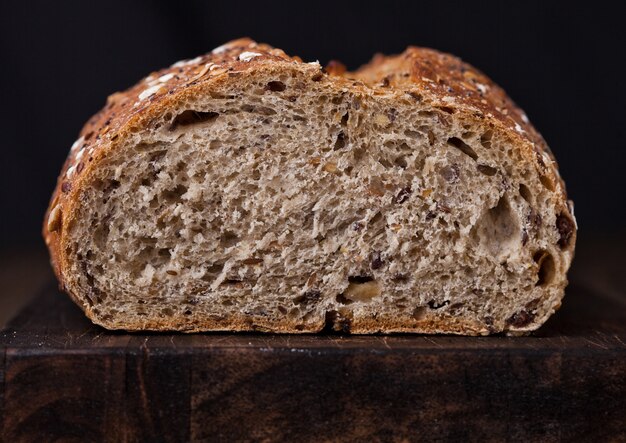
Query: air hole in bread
(376,187)
(219,96)
(362,291)
(376,219)
(174,195)
(191,117)
(360,279)
(344,119)
(468,135)
(485,139)
(110,186)
(276,86)
(252,261)
(167,312)
(502,219)
(164,252)
(358,154)
(546,267)
(487,170)
(456,307)
(498,230)
(228,239)
(400,277)
(263,110)
(433,304)
(215,268)
(431,137)
(147,181)
(156,156)
(400,303)
(547,183)
(463,147)
(525,193)
(565,228)
(386,164)
(309,297)
(101,235)
(341,298)
(401,162)
(413,134)
(340,142)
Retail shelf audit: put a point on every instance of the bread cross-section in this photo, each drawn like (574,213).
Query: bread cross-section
(248,190)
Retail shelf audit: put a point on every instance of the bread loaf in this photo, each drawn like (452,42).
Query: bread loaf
(248,190)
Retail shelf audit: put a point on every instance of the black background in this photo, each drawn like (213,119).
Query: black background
(562,63)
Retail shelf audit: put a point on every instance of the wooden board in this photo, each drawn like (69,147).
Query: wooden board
(63,378)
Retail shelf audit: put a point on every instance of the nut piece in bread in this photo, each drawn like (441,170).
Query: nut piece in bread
(248,190)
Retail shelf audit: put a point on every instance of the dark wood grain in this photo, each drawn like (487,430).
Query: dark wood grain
(157,390)
(63,378)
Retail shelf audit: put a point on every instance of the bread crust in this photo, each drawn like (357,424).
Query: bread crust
(424,74)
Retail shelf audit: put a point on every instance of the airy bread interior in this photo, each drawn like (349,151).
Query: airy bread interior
(280,204)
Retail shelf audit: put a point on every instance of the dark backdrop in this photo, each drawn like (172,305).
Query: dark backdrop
(561,63)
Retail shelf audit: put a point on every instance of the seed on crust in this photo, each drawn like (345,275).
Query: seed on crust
(55,219)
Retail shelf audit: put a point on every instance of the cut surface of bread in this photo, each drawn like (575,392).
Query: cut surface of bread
(248,190)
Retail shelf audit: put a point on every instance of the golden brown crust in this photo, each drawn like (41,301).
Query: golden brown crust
(423,74)
(242,323)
